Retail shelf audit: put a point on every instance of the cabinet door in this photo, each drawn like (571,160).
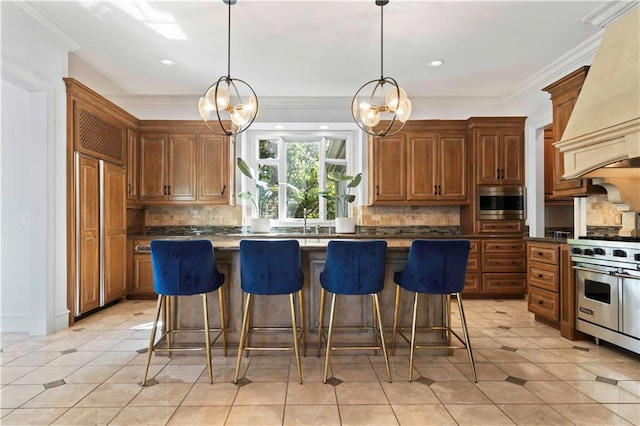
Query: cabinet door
(153,163)
(132,165)
(181,169)
(562,108)
(452,185)
(422,167)
(213,169)
(389,174)
(88,250)
(512,158)
(142,275)
(487,157)
(115,232)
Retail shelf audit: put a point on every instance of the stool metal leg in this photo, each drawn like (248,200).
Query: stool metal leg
(327,354)
(223,325)
(249,319)
(302,322)
(207,337)
(466,338)
(382,343)
(294,323)
(243,335)
(167,307)
(413,335)
(396,312)
(152,338)
(323,294)
(374,314)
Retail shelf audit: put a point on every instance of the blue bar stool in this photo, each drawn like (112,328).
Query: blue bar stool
(353,268)
(269,268)
(185,268)
(434,267)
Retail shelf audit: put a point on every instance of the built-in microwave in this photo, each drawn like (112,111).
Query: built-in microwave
(501,202)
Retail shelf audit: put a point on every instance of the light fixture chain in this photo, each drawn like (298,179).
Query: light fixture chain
(229,43)
(381,41)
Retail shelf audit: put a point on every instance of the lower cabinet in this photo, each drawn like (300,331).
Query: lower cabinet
(543,287)
(140,279)
(496,267)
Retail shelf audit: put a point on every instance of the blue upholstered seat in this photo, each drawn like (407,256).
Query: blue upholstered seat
(185,268)
(271,268)
(435,267)
(353,268)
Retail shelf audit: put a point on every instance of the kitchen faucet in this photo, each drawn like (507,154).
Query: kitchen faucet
(304,215)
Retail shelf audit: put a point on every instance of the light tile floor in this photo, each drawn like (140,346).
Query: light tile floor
(91,374)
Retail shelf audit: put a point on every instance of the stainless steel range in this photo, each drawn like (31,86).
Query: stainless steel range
(608,289)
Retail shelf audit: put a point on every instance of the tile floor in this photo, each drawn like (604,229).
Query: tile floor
(90,374)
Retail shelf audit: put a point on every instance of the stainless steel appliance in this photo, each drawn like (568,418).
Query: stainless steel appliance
(608,289)
(501,202)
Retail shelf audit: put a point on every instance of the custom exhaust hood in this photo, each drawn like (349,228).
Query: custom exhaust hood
(604,127)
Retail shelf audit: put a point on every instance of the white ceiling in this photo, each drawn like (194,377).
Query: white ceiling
(323,48)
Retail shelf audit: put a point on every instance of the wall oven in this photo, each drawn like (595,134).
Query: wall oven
(607,276)
(501,203)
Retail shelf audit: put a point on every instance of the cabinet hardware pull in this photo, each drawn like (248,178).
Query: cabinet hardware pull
(539,254)
(540,276)
(497,173)
(377,190)
(169,190)
(439,189)
(223,188)
(129,187)
(435,189)
(164,190)
(540,302)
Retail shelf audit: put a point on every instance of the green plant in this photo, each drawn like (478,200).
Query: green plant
(342,194)
(264,190)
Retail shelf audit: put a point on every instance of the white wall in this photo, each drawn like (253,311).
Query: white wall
(33,65)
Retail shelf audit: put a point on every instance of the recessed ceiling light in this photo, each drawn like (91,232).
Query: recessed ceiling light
(436,63)
(279,126)
(166,62)
(324,127)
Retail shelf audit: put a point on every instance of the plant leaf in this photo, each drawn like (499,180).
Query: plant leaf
(246,169)
(355,181)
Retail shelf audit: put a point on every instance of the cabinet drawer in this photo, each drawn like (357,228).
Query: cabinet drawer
(503,246)
(500,226)
(543,275)
(473,264)
(504,283)
(475,246)
(503,262)
(472,284)
(544,303)
(547,253)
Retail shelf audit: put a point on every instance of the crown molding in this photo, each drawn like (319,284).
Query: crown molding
(609,12)
(579,56)
(36,17)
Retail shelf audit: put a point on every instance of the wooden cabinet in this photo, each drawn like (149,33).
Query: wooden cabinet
(213,169)
(499,152)
(114,236)
(132,165)
(473,281)
(168,167)
(564,95)
(425,164)
(543,283)
(182,162)
(140,278)
(496,267)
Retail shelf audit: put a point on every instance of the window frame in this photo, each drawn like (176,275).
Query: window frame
(249,148)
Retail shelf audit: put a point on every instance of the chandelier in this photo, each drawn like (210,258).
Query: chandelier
(381,100)
(228,99)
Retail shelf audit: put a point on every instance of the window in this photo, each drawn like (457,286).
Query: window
(297,163)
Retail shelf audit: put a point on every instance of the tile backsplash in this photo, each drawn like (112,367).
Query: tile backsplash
(379,216)
(600,212)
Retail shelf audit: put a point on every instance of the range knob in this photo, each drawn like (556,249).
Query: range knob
(576,250)
(620,253)
(637,257)
(587,252)
(599,251)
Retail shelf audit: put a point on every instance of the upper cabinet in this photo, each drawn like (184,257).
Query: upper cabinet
(132,165)
(564,94)
(181,163)
(499,150)
(425,164)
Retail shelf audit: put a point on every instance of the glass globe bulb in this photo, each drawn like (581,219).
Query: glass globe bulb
(404,111)
(392,100)
(222,97)
(239,117)
(205,108)
(370,117)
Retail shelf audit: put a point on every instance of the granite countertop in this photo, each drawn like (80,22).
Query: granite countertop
(547,240)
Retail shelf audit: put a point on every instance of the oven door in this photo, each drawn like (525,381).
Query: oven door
(630,315)
(597,295)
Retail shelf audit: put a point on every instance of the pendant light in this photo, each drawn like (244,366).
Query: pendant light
(229,99)
(381,99)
